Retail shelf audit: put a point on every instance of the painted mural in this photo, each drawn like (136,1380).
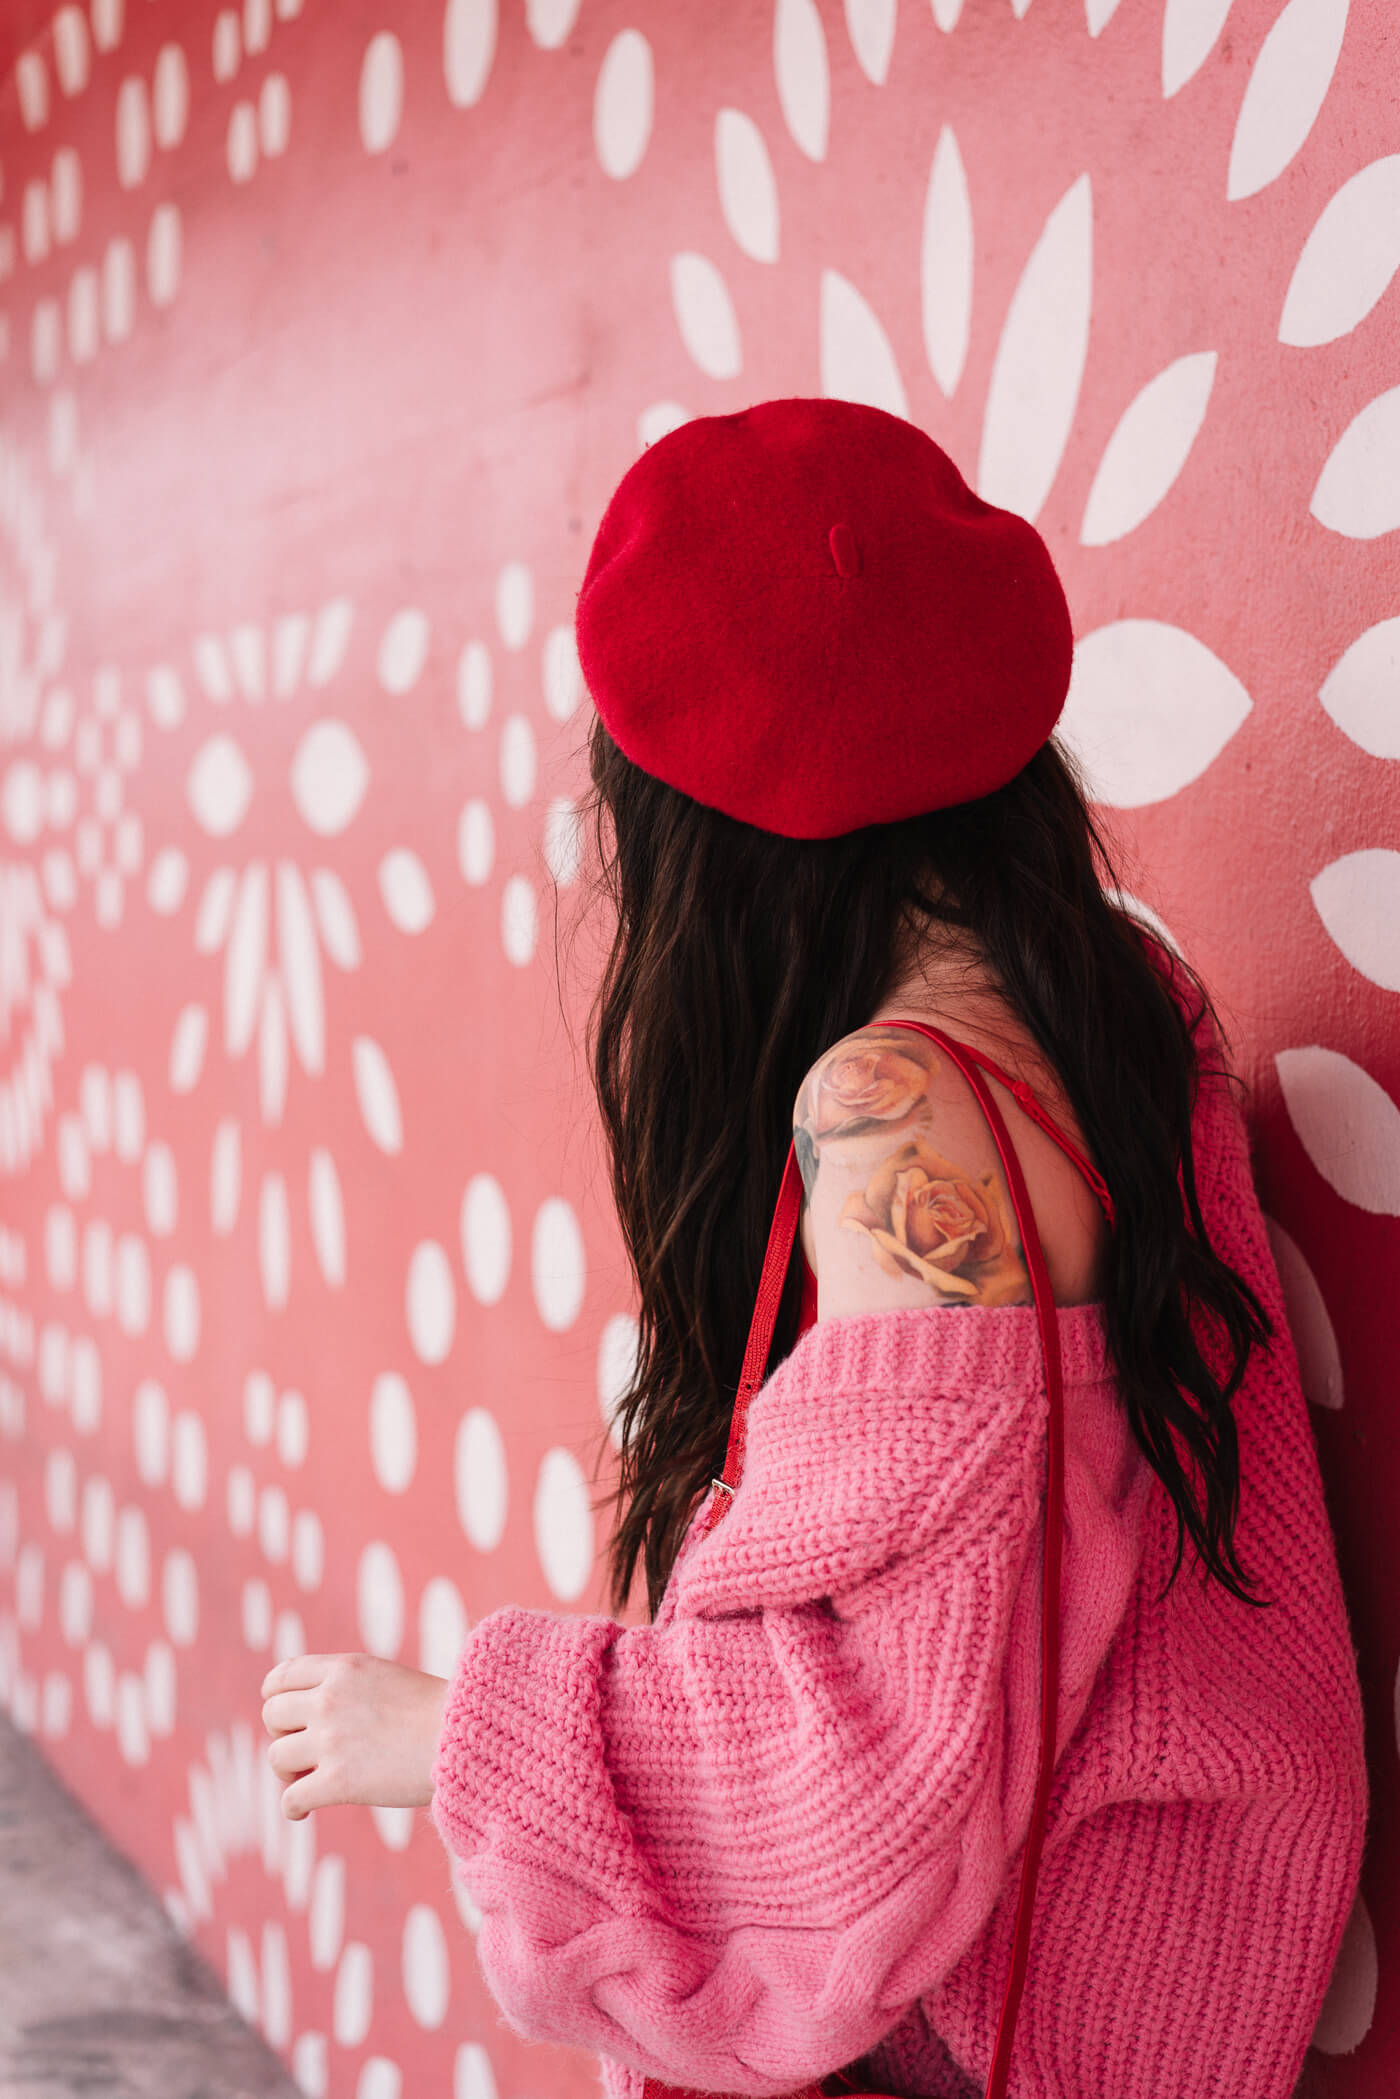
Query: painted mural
(325,332)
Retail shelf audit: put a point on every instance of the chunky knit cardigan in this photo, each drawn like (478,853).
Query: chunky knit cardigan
(780,1828)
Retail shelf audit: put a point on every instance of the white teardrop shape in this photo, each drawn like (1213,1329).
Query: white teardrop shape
(1314,1337)
(946,13)
(623,103)
(705,316)
(1349,2007)
(1361,692)
(946,264)
(563,1524)
(1358,900)
(219,786)
(299,964)
(1348,259)
(1098,13)
(329,776)
(468,47)
(1189,31)
(326,1209)
(803,75)
(381,92)
(245,959)
(549,21)
(1347,1124)
(870,26)
(377,1094)
(557,1266)
(335,915)
(1148,449)
(1286,89)
(857,363)
(1358,490)
(748,193)
(1149,708)
(406,890)
(1039,362)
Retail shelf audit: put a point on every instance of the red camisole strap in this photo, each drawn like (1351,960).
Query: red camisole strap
(807,1314)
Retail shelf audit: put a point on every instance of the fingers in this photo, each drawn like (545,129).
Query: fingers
(299,1799)
(301,1672)
(284,1711)
(288,1755)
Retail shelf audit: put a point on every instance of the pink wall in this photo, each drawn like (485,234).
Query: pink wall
(327,331)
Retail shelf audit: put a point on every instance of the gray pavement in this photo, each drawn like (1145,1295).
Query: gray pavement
(99,1993)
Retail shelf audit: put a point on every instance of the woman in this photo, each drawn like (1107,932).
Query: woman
(780,1828)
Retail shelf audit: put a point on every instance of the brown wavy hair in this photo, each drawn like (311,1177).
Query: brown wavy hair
(738,956)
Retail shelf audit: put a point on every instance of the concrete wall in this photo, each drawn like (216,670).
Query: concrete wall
(327,330)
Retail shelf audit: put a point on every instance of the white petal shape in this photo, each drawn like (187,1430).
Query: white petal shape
(946,263)
(211,667)
(249,660)
(406,890)
(1358,900)
(803,75)
(1286,89)
(870,26)
(330,641)
(549,21)
(705,316)
(381,92)
(748,194)
(289,639)
(1361,692)
(1189,31)
(335,915)
(1358,491)
(1349,2007)
(215,913)
(1149,708)
(245,960)
(1098,13)
(219,786)
(563,1523)
(468,47)
(403,650)
(857,363)
(623,103)
(187,1046)
(1348,259)
(377,1094)
(946,13)
(299,964)
(1347,1124)
(326,1211)
(1040,361)
(1314,1337)
(328,778)
(1148,449)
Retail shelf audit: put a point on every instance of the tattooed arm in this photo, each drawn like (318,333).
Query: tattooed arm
(905,1193)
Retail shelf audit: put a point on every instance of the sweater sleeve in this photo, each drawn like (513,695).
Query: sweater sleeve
(730,1848)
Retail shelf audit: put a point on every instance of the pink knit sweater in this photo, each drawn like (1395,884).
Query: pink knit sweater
(781,1827)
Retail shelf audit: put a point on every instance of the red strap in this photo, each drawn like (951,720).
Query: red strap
(1038,1114)
(775,1265)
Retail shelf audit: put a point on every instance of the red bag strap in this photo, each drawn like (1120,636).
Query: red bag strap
(778,1254)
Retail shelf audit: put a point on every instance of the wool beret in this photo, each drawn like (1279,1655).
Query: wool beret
(800,614)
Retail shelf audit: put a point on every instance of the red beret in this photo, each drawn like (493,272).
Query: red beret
(801,615)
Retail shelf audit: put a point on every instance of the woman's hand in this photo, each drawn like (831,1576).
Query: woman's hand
(350,1728)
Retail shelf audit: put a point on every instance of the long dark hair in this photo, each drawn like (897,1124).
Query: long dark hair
(738,956)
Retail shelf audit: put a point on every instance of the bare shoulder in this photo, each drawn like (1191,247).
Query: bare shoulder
(906,1195)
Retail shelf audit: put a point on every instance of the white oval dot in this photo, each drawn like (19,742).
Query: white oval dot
(479,1470)
(151,1428)
(476,842)
(557,1265)
(517,761)
(293,1429)
(329,776)
(189,1469)
(393,1433)
(622,104)
(563,1524)
(705,316)
(468,46)
(617,1368)
(519,921)
(486,1238)
(406,890)
(379,1600)
(98,1522)
(442,1627)
(354,1995)
(325,1922)
(426,1973)
(431,1302)
(563,680)
(170,95)
(563,840)
(381,92)
(75,1603)
(133,132)
(179,1594)
(308,1549)
(474,684)
(241,143)
(403,650)
(515,604)
(133,1558)
(242,1501)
